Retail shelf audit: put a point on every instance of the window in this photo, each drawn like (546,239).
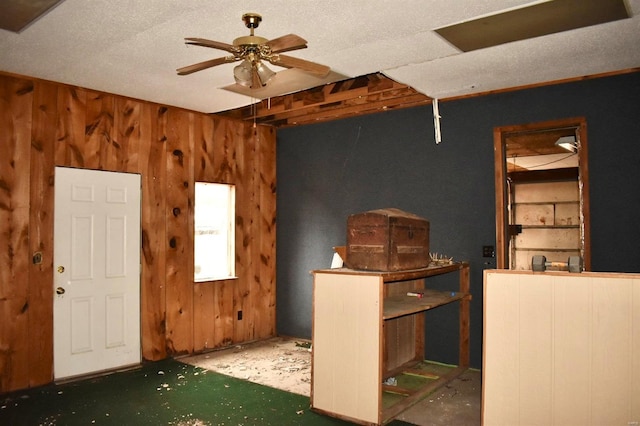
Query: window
(214,232)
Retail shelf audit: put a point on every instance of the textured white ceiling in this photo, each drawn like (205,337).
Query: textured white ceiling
(133,48)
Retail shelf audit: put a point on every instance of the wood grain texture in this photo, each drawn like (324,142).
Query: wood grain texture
(464,319)
(128,135)
(179,240)
(98,150)
(152,166)
(245,191)
(368,94)
(41,234)
(15,115)
(204,309)
(265,294)
(71,123)
(48,124)
(225,317)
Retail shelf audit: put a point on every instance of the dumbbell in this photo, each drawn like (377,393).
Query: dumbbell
(539,263)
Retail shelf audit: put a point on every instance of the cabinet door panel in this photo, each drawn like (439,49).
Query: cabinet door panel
(346,345)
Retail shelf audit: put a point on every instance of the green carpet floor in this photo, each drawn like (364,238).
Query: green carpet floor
(161,393)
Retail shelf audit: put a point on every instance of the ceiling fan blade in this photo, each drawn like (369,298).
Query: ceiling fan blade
(286,43)
(308,66)
(206,64)
(211,43)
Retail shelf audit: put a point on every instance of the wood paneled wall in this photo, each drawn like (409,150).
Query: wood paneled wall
(45,124)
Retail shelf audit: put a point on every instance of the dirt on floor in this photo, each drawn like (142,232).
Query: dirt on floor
(285,363)
(282,363)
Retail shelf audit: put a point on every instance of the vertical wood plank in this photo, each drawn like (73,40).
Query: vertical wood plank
(265,294)
(225,136)
(41,234)
(204,308)
(128,136)
(204,316)
(205,151)
(179,245)
(252,274)
(16,98)
(225,318)
(403,336)
(152,167)
(224,171)
(71,127)
(98,149)
(245,198)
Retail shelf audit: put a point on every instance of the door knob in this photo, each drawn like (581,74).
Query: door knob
(60,269)
(60,290)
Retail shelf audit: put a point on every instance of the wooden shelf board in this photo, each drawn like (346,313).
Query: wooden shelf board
(404,275)
(397,306)
(390,412)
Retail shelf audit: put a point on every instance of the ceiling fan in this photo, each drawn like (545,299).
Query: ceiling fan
(253,50)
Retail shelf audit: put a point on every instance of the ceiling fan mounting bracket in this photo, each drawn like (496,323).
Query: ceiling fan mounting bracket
(251,20)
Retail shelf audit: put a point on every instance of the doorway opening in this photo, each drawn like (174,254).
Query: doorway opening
(542,193)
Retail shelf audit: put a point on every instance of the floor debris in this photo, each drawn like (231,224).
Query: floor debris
(279,362)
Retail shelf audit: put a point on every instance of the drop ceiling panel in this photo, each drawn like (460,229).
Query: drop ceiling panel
(18,14)
(532,21)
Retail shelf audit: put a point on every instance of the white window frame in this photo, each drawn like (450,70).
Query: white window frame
(214,232)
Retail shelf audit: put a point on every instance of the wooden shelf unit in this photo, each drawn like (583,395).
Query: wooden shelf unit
(366,329)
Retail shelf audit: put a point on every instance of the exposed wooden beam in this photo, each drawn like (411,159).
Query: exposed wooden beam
(553,175)
(356,96)
(361,95)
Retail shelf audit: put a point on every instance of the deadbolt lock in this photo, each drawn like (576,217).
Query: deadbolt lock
(60,290)
(60,269)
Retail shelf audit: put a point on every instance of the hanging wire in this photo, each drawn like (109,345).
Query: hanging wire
(552,162)
(254,109)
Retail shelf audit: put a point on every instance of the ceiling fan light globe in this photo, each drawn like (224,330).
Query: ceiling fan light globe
(242,73)
(264,73)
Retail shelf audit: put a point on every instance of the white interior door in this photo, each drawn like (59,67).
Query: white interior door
(96,271)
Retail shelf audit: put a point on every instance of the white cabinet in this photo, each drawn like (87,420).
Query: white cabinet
(561,348)
(366,329)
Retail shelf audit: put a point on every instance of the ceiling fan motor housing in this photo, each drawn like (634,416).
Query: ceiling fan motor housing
(249,41)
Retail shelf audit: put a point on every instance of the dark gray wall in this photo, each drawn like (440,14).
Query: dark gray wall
(328,171)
